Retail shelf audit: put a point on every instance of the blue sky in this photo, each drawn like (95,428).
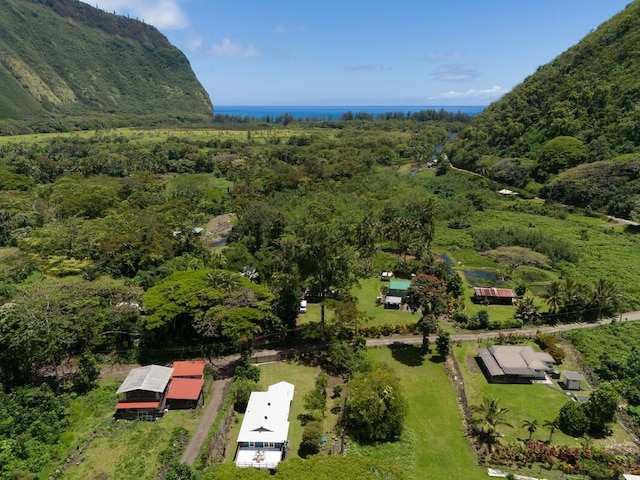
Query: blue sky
(356,52)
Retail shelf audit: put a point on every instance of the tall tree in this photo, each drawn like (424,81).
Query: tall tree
(326,259)
(375,407)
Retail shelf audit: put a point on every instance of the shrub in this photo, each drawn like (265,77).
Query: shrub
(311,439)
(242,392)
(573,420)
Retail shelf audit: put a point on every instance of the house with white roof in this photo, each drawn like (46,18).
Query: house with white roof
(263,438)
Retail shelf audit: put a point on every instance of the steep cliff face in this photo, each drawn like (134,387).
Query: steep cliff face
(64,57)
(591,92)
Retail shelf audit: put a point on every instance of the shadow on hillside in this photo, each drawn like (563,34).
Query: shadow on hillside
(408,355)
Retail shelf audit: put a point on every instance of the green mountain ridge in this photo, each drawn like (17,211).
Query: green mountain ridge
(582,107)
(66,58)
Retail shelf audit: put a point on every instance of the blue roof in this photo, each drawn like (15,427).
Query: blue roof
(399,284)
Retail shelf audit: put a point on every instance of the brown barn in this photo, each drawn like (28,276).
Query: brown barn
(500,296)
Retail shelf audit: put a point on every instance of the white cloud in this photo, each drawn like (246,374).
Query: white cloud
(283,29)
(488,93)
(368,68)
(229,49)
(436,56)
(162,14)
(193,42)
(456,72)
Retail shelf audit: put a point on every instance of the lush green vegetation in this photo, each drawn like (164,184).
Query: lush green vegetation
(577,109)
(108,244)
(79,66)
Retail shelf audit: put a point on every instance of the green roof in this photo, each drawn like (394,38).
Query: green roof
(399,284)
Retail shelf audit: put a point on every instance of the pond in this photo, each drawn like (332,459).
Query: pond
(219,242)
(446,258)
(479,278)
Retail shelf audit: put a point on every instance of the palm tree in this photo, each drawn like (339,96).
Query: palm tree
(553,296)
(552,425)
(605,298)
(526,310)
(531,425)
(487,418)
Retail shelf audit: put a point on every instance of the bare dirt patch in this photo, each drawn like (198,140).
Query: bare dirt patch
(217,229)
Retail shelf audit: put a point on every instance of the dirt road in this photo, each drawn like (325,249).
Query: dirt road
(218,394)
(470,337)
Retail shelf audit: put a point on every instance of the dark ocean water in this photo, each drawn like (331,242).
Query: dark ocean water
(331,113)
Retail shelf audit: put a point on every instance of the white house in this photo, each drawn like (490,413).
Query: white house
(263,438)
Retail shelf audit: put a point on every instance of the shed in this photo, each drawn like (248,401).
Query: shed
(503,296)
(397,292)
(185,393)
(188,369)
(572,380)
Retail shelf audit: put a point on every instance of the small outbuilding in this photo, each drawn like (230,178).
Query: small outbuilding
(185,393)
(500,296)
(572,380)
(186,389)
(397,292)
(188,369)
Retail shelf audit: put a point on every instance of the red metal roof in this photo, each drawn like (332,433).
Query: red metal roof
(145,405)
(185,388)
(494,292)
(188,368)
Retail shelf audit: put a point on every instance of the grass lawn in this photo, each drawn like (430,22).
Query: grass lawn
(121,449)
(434,444)
(525,402)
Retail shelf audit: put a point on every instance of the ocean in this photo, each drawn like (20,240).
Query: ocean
(333,112)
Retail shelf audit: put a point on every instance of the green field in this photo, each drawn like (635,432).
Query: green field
(119,449)
(524,401)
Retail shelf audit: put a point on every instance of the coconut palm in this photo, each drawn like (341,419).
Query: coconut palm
(526,310)
(531,426)
(553,296)
(605,298)
(487,418)
(552,425)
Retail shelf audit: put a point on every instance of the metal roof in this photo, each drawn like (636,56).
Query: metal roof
(267,415)
(490,363)
(395,284)
(188,368)
(494,292)
(185,388)
(571,375)
(134,405)
(151,378)
(518,360)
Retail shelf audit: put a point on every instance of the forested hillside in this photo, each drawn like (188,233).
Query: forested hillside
(580,108)
(66,58)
